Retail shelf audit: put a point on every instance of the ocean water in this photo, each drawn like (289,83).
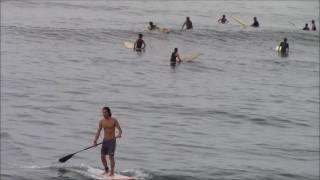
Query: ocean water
(238,112)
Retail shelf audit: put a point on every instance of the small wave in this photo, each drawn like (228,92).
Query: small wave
(40,122)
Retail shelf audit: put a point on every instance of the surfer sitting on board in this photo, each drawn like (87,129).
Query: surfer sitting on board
(152,26)
(139,44)
(223,20)
(108,124)
(175,57)
(284,47)
(187,23)
(313,27)
(255,22)
(306,28)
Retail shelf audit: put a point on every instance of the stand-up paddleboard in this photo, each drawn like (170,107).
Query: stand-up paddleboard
(98,174)
(190,57)
(239,21)
(129,45)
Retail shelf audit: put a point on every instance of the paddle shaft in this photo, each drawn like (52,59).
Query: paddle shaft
(87,148)
(66,158)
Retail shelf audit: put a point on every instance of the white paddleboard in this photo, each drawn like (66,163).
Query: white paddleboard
(129,45)
(190,57)
(97,174)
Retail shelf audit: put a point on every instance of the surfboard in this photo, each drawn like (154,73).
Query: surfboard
(190,57)
(239,21)
(278,48)
(163,29)
(97,174)
(129,45)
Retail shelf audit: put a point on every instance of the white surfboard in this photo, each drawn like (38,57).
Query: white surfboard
(190,57)
(129,45)
(278,48)
(97,174)
(165,30)
(161,29)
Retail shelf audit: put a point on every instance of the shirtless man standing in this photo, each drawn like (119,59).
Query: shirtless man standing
(109,125)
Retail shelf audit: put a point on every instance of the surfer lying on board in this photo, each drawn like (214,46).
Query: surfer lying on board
(139,44)
(284,47)
(175,57)
(223,20)
(152,26)
(255,22)
(109,125)
(187,23)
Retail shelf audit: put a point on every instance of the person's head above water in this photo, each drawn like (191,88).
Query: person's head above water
(151,23)
(140,35)
(255,18)
(175,49)
(285,39)
(187,18)
(106,112)
(306,25)
(223,16)
(312,21)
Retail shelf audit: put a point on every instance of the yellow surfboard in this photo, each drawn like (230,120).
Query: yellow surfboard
(239,21)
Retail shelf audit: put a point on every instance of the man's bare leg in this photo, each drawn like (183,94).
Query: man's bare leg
(112,163)
(105,164)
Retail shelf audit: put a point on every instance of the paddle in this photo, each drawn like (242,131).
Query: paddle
(66,158)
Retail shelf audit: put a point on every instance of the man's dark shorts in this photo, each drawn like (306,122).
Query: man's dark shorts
(108,147)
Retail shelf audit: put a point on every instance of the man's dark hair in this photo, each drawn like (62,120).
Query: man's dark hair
(140,35)
(107,109)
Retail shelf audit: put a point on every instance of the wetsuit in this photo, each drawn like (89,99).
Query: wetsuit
(306,29)
(223,20)
(153,27)
(284,46)
(139,44)
(255,24)
(173,59)
(189,25)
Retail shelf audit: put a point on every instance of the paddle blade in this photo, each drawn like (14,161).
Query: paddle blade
(66,158)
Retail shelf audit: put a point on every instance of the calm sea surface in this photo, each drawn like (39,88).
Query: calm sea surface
(238,112)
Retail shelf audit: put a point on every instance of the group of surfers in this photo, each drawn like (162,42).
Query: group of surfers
(140,45)
(110,124)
